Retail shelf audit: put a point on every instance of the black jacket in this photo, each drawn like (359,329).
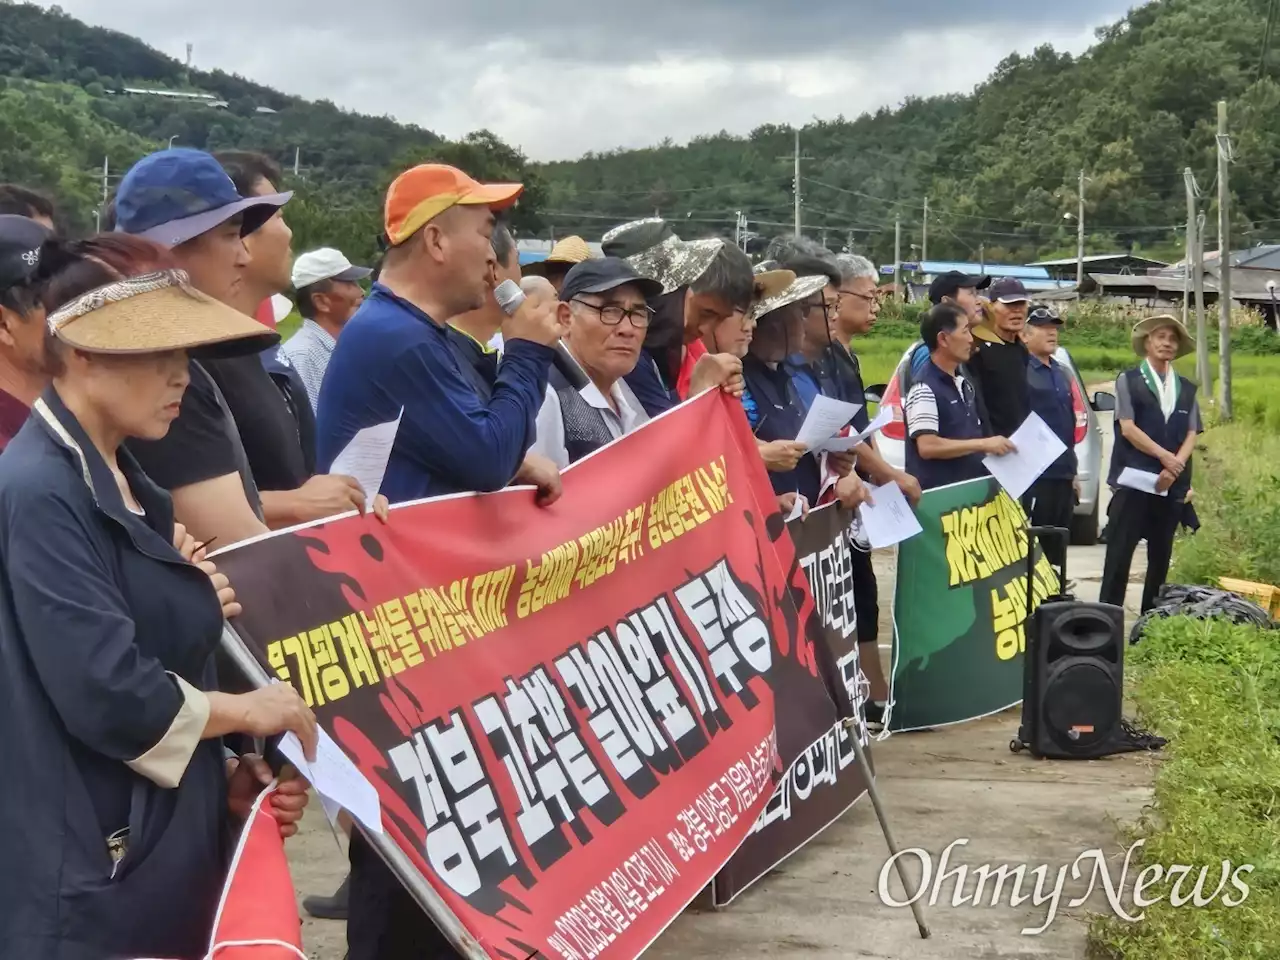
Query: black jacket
(999,371)
(106,644)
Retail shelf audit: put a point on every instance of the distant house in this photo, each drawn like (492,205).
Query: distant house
(184,95)
(1101,263)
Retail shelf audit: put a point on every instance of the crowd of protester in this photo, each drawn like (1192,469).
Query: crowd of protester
(148,410)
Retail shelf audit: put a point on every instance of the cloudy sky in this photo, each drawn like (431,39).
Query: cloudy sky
(561,77)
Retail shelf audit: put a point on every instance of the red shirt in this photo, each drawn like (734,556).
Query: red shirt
(692,354)
(13,414)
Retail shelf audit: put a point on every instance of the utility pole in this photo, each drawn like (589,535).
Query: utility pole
(1080,238)
(1195,277)
(297,157)
(924,233)
(102,207)
(737,231)
(1189,182)
(1203,370)
(796,182)
(897,259)
(982,257)
(1224,284)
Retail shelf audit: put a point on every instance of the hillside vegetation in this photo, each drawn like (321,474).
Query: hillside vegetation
(999,165)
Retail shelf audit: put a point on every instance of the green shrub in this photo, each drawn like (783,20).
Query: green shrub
(1237,498)
(1213,689)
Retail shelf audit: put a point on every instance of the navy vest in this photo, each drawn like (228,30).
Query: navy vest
(585,428)
(1149,418)
(958,419)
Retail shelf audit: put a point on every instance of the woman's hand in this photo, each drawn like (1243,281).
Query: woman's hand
(246,778)
(275,709)
(184,543)
(781,456)
(226,595)
(382,508)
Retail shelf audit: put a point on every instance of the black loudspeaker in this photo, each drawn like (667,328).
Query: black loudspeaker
(1073,684)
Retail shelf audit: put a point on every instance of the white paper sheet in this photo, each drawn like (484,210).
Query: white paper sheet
(1038,447)
(798,510)
(1140,480)
(845,444)
(825,419)
(338,781)
(888,519)
(366,456)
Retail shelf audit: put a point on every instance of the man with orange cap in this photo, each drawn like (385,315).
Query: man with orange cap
(393,359)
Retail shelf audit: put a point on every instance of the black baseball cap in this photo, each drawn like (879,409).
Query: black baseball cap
(1008,290)
(602,274)
(20,241)
(1042,316)
(953,281)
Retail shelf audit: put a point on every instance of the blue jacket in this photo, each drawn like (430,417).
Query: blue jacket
(392,357)
(106,643)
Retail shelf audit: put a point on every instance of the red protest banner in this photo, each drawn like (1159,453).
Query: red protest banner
(574,714)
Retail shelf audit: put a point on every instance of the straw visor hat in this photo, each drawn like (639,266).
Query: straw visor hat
(797,289)
(1144,328)
(157,313)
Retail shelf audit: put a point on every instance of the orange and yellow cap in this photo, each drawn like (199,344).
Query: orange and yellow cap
(422,193)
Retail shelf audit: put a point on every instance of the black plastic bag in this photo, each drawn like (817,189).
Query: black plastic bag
(1203,603)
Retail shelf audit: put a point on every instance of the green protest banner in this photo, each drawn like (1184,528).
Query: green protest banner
(960,605)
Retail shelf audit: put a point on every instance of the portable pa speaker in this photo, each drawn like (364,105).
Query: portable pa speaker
(1073,685)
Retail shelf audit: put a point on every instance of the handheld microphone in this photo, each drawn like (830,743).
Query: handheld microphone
(510,297)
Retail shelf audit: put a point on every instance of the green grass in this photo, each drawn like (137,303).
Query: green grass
(1237,497)
(1213,689)
(289,325)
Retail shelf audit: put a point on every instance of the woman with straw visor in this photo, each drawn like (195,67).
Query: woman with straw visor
(120,798)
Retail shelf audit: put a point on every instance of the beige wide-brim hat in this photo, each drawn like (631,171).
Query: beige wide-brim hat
(798,289)
(772,283)
(1144,328)
(157,313)
(566,253)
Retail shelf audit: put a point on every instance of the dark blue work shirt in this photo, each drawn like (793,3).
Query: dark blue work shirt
(107,638)
(392,357)
(1050,394)
(287,379)
(775,412)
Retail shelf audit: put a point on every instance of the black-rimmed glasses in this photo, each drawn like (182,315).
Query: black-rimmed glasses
(611,314)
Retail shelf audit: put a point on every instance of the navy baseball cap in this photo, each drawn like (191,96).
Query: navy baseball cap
(1008,290)
(20,243)
(952,282)
(603,274)
(172,196)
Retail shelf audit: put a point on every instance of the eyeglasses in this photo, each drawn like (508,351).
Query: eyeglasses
(868,297)
(611,314)
(829,308)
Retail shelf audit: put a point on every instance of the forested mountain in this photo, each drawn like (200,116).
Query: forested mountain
(999,165)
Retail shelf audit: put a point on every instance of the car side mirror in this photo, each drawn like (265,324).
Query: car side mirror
(875,392)
(1104,402)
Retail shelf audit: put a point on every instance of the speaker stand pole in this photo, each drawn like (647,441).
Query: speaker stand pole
(921,923)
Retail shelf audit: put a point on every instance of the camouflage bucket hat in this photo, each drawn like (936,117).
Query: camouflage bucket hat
(656,252)
(794,292)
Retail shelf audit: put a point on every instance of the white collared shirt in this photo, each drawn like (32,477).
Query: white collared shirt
(624,415)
